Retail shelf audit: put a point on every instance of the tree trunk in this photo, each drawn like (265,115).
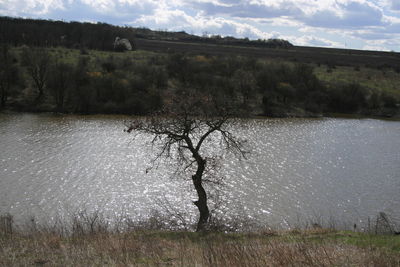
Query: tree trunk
(3,100)
(60,100)
(4,97)
(201,203)
(39,96)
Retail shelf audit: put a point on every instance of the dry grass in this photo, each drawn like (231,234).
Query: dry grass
(151,248)
(88,241)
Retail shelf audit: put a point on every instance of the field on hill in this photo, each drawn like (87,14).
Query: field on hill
(326,56)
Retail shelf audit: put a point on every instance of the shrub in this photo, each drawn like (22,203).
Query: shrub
(347,98)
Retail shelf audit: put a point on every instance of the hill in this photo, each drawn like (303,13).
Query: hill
(100,36)
(72,67)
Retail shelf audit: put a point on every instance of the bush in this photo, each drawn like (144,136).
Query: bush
(108,66)
(347,98)
(389,101)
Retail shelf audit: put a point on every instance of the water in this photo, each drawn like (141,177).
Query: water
(320,170)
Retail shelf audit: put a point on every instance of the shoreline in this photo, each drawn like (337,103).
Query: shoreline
(258,116)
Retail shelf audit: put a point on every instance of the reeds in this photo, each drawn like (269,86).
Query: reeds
(91,242)
(184,249)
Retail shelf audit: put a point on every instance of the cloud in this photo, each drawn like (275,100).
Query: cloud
(375,48)
(395,5)
(329,14)
(371,35)
(114,12)
(382,44)
(314,41)
(247,9)
(29,7)
(349,15)
(179,20)
(100,5)
(118,8)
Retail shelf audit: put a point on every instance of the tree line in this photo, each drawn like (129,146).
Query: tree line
(62,80)
(49,33)
(183,36)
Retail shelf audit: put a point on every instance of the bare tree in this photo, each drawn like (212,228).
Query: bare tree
(184,129)
(37,63)
(8,74)
(245,84)
(60,83)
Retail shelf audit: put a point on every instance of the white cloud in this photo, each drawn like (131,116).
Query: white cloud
(375,48)
(24,7)
(101,5)
(162,17)
(308,40)
(179,20)
(382,44)
(281,22)
(391,20)
(350,14)
(395,5)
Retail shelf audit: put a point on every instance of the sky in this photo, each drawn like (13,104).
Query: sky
(356,24)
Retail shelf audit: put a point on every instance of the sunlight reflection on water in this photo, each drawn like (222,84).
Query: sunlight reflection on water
(298,169)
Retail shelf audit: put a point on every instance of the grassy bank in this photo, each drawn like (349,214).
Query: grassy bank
(316,247)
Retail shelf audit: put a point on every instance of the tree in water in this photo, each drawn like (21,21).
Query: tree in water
(185,130)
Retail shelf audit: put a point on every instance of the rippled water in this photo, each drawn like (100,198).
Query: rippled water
(299,169)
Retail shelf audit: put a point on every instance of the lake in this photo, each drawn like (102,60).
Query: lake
(328,170)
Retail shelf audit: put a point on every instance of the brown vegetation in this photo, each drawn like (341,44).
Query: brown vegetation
(149,248)
(88,240)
